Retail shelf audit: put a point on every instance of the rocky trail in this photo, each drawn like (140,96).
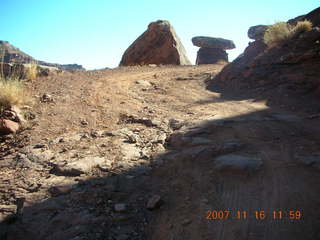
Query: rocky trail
(150,153)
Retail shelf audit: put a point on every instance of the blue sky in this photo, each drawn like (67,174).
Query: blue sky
(95,33)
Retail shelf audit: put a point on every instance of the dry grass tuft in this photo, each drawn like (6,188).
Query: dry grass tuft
(277,34)
(31,71)
(12,92)
(302,26)
(280,32)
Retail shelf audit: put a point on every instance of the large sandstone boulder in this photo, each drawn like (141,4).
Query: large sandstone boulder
(210,42)
(211,56)
(159,44)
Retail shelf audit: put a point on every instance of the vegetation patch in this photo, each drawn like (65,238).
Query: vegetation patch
(12,92)
(280,32)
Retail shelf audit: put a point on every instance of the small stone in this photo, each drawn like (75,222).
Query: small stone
(8,126)
(186,222)
(45,98)
(19,116)
(84,122)
(154,202)
(120,207)
(60,190)
(175,124)
(39,145)
(143,83)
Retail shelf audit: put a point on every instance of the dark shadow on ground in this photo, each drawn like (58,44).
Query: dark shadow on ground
(190,186)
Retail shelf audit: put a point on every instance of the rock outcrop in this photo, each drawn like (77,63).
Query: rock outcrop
(212,50)
(293,65)
(159,44)
(257,32)
(13,55)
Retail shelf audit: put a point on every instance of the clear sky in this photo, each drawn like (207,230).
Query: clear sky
(95,33)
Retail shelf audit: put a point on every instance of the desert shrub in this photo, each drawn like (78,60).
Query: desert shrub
(277,33)
(282,31)
(302,26)
(12,92)
(31,71)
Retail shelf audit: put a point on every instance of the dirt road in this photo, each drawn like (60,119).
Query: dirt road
(109,141)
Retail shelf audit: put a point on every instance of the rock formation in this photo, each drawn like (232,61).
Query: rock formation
(257,32)
(159,44)
(13,55)
(212,50)
(293,65)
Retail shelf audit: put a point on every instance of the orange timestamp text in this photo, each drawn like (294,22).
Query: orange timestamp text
(255,214)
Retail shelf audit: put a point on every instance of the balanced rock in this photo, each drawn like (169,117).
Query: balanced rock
(159,44)
(210,42)
(211,56)
(257,32)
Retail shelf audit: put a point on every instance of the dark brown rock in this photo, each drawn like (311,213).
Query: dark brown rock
(257,32)
(158,45)
(154,202)
(211,56)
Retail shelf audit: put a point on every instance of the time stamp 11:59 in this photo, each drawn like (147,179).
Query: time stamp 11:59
(257,214)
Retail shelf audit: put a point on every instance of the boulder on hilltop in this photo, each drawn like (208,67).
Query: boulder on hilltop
(159,44)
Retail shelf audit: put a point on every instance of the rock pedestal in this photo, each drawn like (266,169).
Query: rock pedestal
(212,50)
(211,56)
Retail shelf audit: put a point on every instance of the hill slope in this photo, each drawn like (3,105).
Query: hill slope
(12,54)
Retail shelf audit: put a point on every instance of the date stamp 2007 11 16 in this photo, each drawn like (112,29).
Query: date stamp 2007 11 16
(257,214)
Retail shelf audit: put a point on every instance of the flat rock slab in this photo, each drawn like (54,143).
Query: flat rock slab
(78,167)
(237,163)
(210,42)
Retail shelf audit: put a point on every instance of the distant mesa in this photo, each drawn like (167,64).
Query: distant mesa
(212,50)
(12,55)
(159,44)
